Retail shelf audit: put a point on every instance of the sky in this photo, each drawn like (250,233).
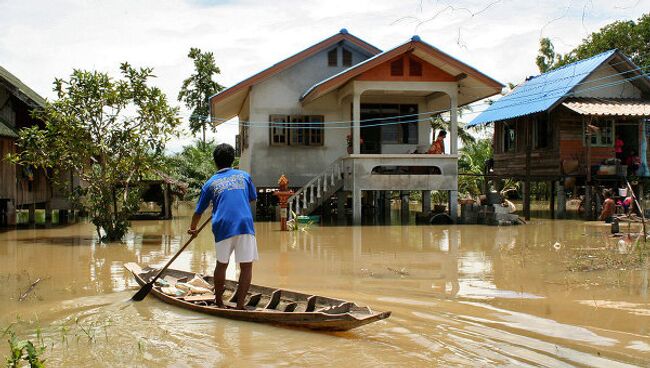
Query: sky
(41,40)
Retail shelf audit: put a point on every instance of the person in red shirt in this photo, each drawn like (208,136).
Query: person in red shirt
(438,146)
(609,208)
(618,147)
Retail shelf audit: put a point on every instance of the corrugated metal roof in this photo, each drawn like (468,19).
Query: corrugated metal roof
(609,107)
(542,92)
(22,89)
(6,131)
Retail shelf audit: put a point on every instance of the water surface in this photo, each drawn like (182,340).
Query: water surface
(460,296)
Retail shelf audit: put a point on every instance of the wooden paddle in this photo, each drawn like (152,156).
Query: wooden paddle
(146,288)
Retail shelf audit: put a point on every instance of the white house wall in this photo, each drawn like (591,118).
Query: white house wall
(606,82)
(280,94)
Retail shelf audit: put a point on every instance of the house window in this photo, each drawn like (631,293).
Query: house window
(415,68)
(279,131)
(297,130)
(603,136)
(332,57)
(397,67)
(347,58)
(509,137)
(541,132)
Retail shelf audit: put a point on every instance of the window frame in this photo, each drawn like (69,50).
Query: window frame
(547,133)
(599,134)
(307,134)
(333,57)
(278,126)
(397,68)
(509,145)
(418,67)
(346,57)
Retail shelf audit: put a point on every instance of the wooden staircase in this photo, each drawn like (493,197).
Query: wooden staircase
(319,189)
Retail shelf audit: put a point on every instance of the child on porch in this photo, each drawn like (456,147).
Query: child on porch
(438,146)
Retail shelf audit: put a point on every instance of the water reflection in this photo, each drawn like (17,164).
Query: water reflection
(461,295)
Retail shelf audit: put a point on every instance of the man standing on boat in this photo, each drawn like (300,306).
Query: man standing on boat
(230,192)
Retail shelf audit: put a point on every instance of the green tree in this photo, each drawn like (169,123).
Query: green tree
(194,165)
(632,38)
(197,89)
(546,57)
(110,133)
(471,162)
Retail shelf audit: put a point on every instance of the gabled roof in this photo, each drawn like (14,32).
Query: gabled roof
(20,89)
(424,51)
(242,87)
(545,91)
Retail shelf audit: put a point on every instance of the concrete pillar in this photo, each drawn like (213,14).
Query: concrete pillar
(405,213)
(453,134)
(356,128)
(386,205)
(453,205)
(561,200)
(341,198)
(356,206)
(426,202)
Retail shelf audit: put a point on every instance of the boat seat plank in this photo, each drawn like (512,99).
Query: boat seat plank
(342,308)
(275,299)
(311,303)
(290,307)
(199,298)
(254,300)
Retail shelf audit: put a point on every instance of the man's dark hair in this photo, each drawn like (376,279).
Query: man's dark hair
(223,155)
(442,133)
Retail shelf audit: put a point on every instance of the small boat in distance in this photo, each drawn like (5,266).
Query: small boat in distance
(267,305)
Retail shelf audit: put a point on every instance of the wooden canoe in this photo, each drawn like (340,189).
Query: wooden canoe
(268,305)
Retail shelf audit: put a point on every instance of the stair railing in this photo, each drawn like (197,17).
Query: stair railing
(316,189)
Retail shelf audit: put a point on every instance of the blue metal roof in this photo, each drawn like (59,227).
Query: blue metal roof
(542,92)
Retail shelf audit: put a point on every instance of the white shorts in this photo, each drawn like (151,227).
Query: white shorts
(244,246)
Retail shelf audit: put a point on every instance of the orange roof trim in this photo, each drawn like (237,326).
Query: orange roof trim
(338,80)
(343,35)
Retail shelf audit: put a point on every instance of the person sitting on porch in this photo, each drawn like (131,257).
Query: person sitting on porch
(609,208)
(438,146)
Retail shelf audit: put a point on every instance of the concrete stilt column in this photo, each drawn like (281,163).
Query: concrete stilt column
(453,205)
(561,200)
(426,202)
(341,199)
(405,213)
(356,207)
(356,128)
(386,204)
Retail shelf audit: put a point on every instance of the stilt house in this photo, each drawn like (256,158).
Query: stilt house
(565,123)
(344,118)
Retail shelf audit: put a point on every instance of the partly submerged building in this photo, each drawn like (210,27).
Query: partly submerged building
(22,187)
(344,117)
(563,123)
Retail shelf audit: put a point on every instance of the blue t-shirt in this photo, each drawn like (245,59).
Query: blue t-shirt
(229,191)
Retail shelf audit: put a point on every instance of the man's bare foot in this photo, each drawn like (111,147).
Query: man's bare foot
(218,302)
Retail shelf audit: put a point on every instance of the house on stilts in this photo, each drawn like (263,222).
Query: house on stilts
(23,187)
(562,127)
(344,119)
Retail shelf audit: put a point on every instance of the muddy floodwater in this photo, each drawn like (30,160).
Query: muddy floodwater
(460,296)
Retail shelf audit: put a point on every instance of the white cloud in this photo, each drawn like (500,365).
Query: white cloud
(46,39)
